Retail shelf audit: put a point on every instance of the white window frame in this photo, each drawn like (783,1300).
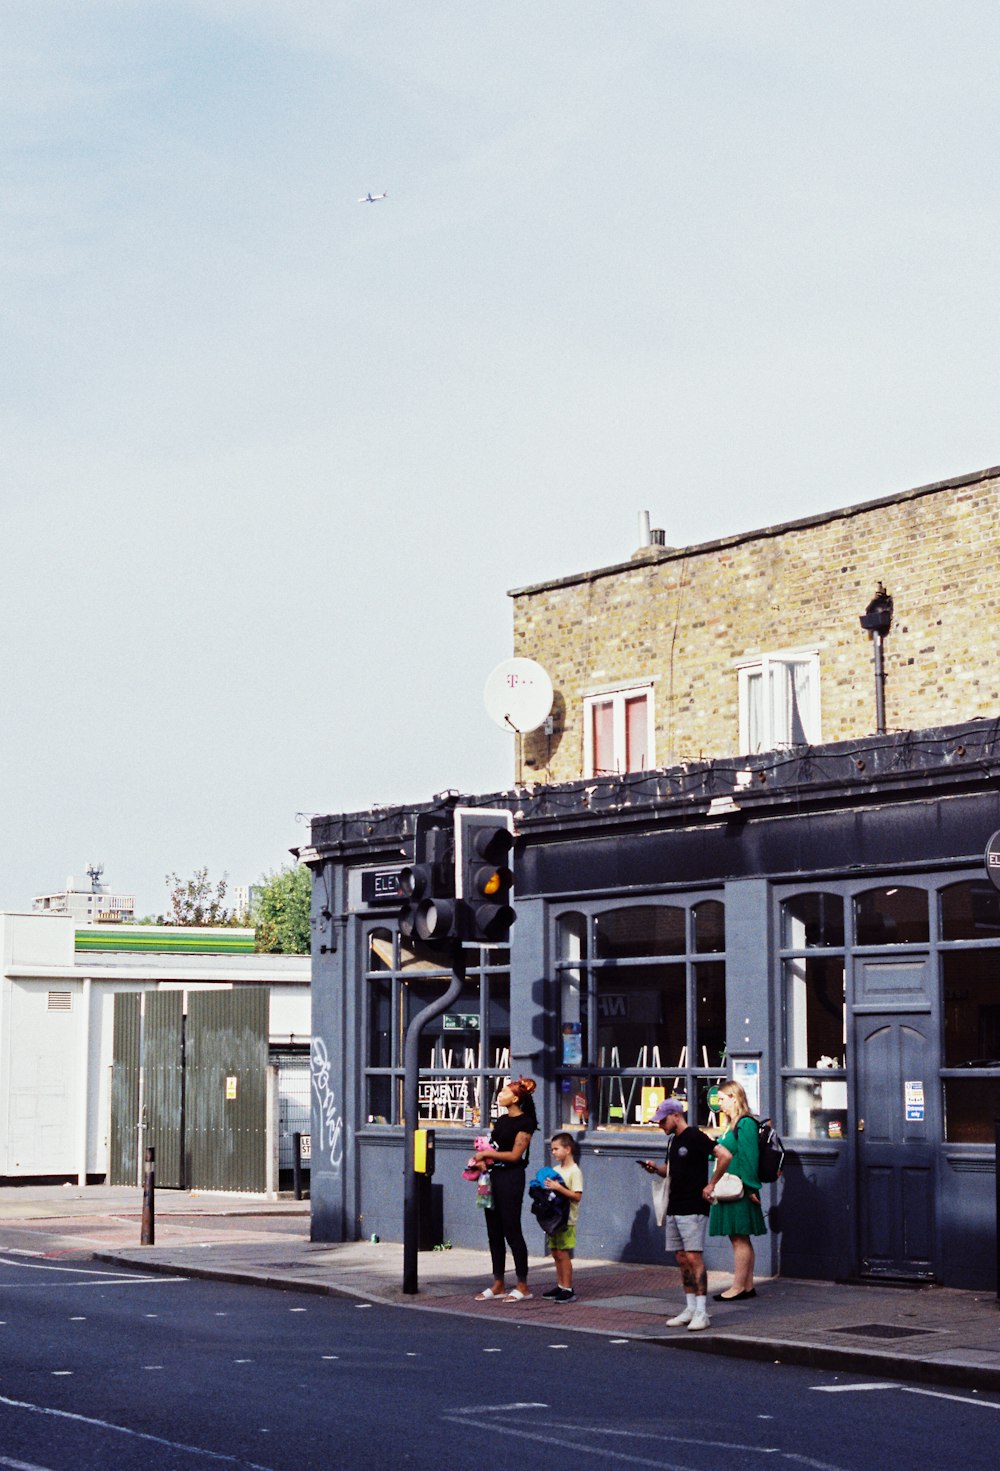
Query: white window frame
(765,665)
(618,694)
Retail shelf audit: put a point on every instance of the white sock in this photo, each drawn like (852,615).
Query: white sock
(692,1301)
(701,1304)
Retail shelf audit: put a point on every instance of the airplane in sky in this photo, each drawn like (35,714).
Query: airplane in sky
(372,198)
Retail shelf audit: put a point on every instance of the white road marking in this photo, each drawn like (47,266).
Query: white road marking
(21,1465)
(577,1446)
(298,1310)
(850,1388)
(174,1445)
(61,1373)
(984,1404)
(558,1345)
(359,1305)
(529,1404)
(78,1320)
(904,1389)
(58,1267)
(109,1279)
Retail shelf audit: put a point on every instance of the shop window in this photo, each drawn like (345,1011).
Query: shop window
(815,1012)
(641,1017)
(619,731)
(970,1008)
(971,994)
(811,921)
(971,1106)
(779,701)
(970,911)
(464,1055)
(709,921)
(655,929)
(816,1108)
(891,916)
(710,1013)
(815,1009)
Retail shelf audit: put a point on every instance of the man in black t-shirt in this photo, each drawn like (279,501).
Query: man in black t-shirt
(688,1154)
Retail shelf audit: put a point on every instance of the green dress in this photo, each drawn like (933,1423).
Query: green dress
(742,1217)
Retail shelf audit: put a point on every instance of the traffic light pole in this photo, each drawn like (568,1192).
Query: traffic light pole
(411,1078)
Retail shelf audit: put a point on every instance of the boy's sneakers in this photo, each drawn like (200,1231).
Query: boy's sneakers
(552,1292)
(563,1294)
(698,1321)
(682,1319)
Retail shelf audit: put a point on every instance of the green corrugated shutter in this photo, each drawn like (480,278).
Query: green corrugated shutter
(226,1115)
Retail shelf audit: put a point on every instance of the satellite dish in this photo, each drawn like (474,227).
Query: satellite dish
(518,695)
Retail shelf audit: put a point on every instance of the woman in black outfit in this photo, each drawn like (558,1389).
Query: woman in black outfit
(507,1160)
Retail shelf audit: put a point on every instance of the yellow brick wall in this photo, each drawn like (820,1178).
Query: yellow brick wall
(686,617)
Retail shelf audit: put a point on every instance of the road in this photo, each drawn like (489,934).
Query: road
(108,1368)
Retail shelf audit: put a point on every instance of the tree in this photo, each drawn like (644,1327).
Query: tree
(281,912)
(197,901)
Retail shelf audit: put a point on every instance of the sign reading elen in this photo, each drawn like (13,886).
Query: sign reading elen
(381,886)
(993,860)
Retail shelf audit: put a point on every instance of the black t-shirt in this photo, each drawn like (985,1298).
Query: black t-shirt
(688,1155)
(503,1135)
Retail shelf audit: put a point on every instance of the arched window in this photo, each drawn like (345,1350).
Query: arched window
(642,995)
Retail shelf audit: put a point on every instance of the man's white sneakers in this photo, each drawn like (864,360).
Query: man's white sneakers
(698,1321)
(682,1319)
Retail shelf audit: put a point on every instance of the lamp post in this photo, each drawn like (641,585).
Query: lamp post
(877,619)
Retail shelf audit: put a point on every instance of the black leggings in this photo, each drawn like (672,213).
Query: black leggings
(503,1222)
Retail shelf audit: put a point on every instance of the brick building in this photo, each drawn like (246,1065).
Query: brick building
(667,658)
(721,871)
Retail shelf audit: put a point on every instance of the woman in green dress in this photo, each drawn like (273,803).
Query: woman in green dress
(738,1153)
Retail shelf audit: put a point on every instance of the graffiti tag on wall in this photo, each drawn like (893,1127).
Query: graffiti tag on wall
(331,1124)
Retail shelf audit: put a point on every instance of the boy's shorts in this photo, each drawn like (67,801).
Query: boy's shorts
(564,1240)
(686,1233)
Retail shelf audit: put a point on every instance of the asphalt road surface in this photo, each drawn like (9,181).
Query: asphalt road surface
(104,1368)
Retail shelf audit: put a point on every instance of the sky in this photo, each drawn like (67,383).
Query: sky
(271,459)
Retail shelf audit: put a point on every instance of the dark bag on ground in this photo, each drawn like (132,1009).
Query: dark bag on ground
(550,1210)
(771,1152)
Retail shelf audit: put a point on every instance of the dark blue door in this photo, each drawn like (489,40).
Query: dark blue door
(897,1131)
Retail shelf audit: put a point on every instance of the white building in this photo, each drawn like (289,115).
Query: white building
(90,903)
(58,982)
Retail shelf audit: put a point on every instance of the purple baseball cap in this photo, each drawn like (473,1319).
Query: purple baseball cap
(669,1106)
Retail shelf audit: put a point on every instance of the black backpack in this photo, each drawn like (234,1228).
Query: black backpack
(771,1153)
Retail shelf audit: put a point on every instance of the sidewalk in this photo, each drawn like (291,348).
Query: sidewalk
(933,1334)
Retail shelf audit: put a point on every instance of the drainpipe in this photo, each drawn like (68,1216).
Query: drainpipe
(83,1136)
(411,1077)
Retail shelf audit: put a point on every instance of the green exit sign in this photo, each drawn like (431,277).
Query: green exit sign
(461,1021)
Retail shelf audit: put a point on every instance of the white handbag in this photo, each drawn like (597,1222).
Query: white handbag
(661,1197)
(729,1187)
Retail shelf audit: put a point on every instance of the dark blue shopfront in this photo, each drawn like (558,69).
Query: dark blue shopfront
(830,937)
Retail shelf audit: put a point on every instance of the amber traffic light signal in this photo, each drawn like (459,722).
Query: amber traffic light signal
(484,878)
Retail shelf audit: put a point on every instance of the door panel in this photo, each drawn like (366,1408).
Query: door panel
(123,1167)
(163,1082)
(896,1153)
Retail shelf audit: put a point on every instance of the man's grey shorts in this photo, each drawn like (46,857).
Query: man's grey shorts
(686,1233)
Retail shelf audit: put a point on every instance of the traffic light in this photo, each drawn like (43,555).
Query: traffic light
(483,877)
(427,887)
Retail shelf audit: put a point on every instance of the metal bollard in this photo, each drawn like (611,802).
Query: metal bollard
(297,1164)
(147,1236)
